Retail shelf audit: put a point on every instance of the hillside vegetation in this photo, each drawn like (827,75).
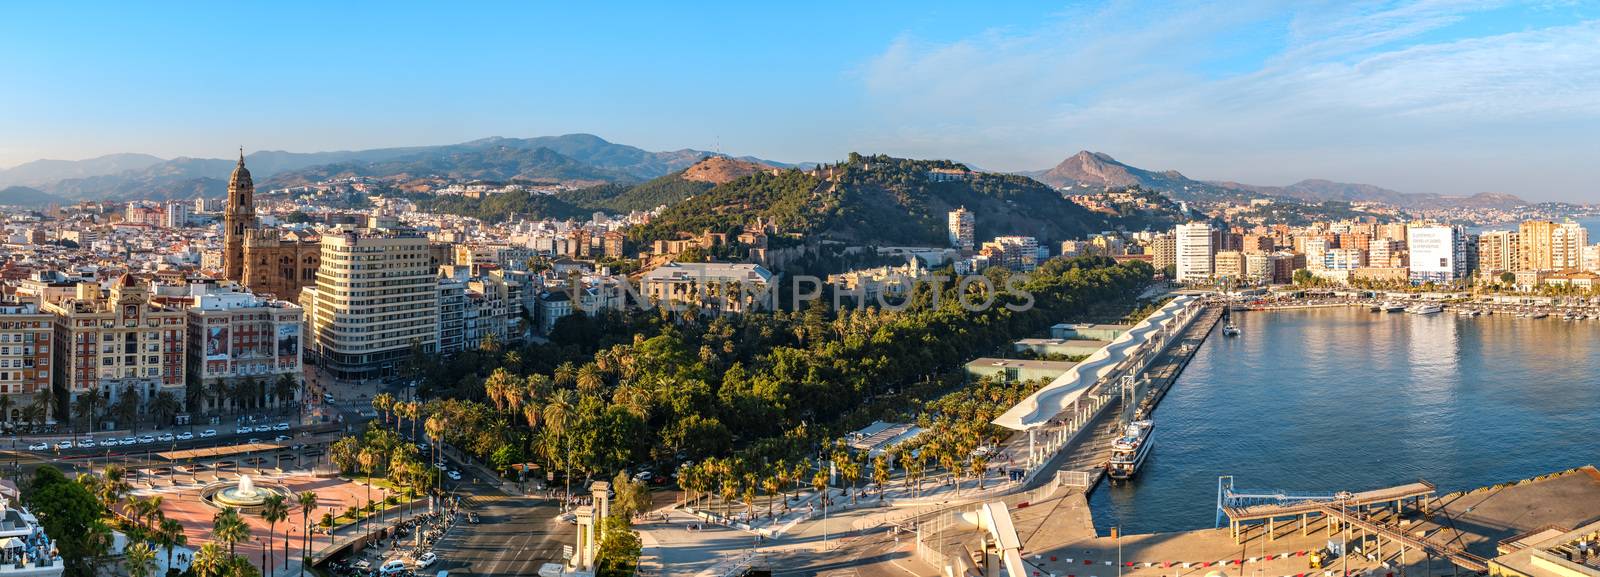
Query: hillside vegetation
(880,200)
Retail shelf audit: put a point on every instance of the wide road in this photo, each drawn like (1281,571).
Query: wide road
(514,535)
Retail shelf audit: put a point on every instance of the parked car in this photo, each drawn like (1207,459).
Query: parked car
(243,430)
(281,427)
(281,438)
(128,441)
(87,444)
(166,437)
(146,439)
(253,440)
(40,446)
(453,474)
(392,567)
(208,433)
(263,428)
(64,445)
(426,559)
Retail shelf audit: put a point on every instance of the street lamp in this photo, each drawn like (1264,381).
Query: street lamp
(1344,532)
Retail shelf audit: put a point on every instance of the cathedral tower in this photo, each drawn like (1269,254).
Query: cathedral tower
(239,218)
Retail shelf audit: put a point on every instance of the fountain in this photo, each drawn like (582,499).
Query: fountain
(244,495)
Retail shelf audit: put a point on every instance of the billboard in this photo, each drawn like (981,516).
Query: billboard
(288,340)
(217,342)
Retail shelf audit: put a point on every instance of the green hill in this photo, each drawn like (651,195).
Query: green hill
(881,200)
(667,190)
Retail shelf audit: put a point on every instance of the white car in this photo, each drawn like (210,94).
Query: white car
(184,436)
(165,437)
(281,427)
(454,475)
(425,560)
(392,567)
(281,438)
(39,447)
(88,443)
(128,441)
(146,439)
(64,445)
(263,428)
(243,431)
(208,433)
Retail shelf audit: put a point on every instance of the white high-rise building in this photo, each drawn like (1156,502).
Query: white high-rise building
(961,226)
(1194,252)
(1438,253)
(377,296)
(1567,242)
(177,215)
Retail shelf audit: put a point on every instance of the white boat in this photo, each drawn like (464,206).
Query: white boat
(1230,330)
(1425,309)
(1130,450)
(1538,315)
(1392,307)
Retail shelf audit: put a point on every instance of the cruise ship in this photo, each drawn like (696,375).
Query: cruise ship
(1425,309)
(1130,450)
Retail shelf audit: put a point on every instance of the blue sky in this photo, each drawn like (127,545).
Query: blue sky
(1443,96)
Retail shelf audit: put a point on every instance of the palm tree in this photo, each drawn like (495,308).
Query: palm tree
(210,561)
(169,534)
(850,469)
(308,502)
(5,407)
(216,390)
(227,527)
(556,416)
(140,559)
(44,400)
(383,402)
(283,388)
(274,508)
(369,459)
(566,374)
(771,485)
(498,388)
(87,406)
(145,510)
(590,379)
(164,407)
(113,485)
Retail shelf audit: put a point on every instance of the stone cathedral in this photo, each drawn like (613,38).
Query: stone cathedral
(268,261)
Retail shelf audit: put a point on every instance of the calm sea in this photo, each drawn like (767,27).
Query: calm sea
(1345,399)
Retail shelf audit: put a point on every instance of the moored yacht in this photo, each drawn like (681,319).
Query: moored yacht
(1425,309)
(1130,450)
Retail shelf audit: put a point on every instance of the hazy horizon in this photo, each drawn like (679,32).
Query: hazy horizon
(1425,96)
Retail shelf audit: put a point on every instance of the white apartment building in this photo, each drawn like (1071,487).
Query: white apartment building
(1567,242)
(376,297)
(1438,253)
(1194,252)
(961,229)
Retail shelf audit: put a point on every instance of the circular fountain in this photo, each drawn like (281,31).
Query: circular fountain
(244,495)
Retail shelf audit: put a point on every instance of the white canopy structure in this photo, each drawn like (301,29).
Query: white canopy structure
(1037,409)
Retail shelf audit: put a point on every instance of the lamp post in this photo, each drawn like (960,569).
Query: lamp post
(1344,532)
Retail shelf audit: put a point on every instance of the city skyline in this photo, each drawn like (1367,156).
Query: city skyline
(1421,97)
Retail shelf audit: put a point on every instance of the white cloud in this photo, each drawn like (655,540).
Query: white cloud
(1358,92)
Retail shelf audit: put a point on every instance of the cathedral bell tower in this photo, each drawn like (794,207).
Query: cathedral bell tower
(239,218)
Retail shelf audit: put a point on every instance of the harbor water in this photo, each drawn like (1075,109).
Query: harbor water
(1324,400)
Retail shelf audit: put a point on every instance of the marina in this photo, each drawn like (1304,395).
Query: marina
(1319,400)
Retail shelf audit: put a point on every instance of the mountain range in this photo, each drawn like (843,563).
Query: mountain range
(586,160)
(1097,170)
(575,158)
